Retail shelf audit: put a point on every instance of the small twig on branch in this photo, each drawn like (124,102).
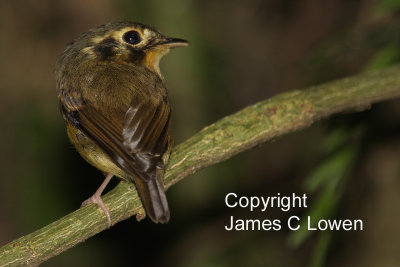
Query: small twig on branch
(253,125)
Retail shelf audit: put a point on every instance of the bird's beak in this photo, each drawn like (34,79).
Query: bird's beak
(173,42)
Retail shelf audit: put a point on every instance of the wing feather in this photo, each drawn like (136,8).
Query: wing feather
(135,140)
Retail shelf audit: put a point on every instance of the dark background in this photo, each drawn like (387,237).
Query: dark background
(241,52)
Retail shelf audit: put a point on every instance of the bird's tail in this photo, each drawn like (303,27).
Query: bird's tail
(154,199)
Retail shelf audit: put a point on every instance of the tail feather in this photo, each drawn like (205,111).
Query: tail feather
(154,199)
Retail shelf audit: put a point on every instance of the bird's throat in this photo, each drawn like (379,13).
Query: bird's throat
(152,60)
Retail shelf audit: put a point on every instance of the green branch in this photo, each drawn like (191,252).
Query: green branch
(253,125)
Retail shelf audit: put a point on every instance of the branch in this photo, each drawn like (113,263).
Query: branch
(253,125)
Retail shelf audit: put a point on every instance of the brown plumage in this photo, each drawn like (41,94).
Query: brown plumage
(116,106)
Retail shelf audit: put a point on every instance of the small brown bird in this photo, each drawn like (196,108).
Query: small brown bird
(114,101)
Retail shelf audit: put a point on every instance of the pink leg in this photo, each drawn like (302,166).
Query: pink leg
(96,198)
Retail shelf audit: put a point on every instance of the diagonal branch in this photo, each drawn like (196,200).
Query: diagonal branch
(251,126)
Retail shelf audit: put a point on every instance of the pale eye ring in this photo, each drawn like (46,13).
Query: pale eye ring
(132,37)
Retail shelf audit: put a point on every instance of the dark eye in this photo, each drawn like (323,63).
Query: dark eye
(132,37)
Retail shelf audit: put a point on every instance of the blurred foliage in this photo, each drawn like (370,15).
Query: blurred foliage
(327,180)
(241,52)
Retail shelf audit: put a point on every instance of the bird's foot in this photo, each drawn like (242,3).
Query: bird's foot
(96,199)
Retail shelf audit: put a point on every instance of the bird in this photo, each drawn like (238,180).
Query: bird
(116,107)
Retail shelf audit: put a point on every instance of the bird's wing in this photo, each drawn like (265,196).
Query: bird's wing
(135,138)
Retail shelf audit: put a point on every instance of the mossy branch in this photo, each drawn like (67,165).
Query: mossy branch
(251,126)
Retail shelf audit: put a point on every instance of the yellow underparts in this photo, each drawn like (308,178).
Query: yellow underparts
(92,153)
(153,57)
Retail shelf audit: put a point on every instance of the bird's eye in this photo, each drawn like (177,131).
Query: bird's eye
(132,37)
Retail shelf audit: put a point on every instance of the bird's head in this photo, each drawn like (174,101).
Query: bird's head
(126,42)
